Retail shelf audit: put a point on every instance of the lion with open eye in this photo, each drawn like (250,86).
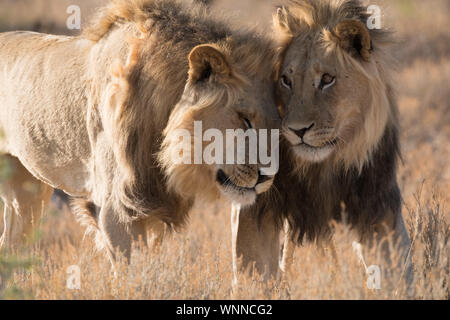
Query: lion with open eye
(95,116)
(340,129)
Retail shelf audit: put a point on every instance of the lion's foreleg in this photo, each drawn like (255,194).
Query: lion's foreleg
(288,251)
(254,245)
(115,234)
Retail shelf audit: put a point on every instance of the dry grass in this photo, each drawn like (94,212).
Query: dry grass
(196,264)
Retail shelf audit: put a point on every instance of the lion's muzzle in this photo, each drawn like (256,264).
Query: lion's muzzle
(243,186)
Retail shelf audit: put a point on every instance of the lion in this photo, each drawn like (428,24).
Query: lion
(95,115)
(339,155)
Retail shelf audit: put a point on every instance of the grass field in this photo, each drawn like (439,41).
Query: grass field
(196,263)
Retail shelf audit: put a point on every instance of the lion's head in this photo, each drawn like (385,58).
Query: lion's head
(220,94)
(331,85)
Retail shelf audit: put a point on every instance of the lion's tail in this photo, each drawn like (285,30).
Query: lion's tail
(87,213)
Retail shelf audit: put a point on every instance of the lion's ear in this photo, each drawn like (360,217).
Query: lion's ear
(206,61)
(354,37)
(291,21)
(283,21)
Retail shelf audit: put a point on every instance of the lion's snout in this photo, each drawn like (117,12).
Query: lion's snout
(243,183)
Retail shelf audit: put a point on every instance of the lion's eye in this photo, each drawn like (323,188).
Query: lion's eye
(286,82)
(326,81)
(244,118)
(248,124)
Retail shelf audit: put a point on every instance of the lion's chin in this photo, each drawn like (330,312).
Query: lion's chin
(244,197)
(313,154)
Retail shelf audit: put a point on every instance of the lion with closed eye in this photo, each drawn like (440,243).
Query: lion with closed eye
(97,115)
(341,141)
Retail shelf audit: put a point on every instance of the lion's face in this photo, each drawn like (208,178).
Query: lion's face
(330,89)
(218,98)
(239,182)
(323,103)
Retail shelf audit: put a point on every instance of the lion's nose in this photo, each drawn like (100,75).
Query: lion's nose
(301,132)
